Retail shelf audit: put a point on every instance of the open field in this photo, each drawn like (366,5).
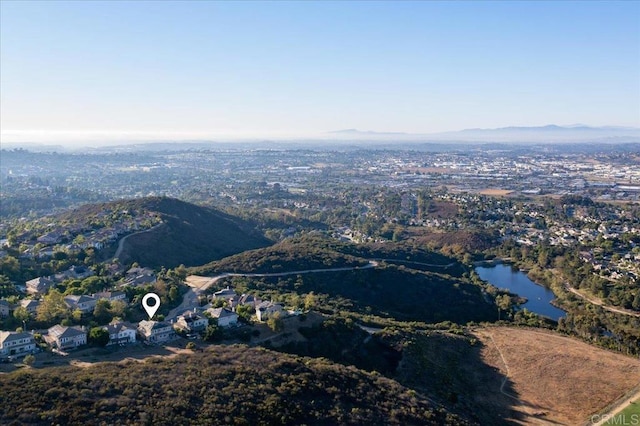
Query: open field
(495,191)
(556,379)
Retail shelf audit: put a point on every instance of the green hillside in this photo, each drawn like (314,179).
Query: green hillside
(289,255)
(392,289)
(225,385)
(315,251)
(191,235)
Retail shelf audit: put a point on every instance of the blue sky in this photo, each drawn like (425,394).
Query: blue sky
(270,69)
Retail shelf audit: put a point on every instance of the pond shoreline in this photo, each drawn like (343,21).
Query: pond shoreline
(502,274)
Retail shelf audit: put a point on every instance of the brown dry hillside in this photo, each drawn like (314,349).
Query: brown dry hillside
(555,378)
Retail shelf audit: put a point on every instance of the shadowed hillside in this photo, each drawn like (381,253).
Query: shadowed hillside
(191,235)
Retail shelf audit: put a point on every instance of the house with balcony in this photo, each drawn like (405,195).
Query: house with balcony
(224,316)
(156,331)
(111,296)
(191,322)
(86,304)
(16,344)
(65,338)
(120,333)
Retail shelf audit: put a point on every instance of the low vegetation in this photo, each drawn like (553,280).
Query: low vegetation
(226,385)
(191,235)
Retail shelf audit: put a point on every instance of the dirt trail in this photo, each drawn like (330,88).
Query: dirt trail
(600,303)
(122,241)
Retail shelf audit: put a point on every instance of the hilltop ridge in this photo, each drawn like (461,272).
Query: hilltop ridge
(191,234)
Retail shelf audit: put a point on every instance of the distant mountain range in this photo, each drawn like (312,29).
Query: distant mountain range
(574,133)
(548,133)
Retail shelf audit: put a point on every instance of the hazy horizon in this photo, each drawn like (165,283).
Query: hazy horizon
(106,72)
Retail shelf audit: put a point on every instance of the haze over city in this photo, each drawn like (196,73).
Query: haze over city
(114,72)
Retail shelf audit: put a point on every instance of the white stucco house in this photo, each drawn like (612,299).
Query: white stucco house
(225,317)
(120,333)
(16,344)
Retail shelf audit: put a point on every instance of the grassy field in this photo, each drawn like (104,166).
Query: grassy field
(556,379)
(628,416)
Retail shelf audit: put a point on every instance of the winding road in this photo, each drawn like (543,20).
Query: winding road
(200,284)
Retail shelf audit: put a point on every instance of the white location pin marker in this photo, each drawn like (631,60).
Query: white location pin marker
(151,309)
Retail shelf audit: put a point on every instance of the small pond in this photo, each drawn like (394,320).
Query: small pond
(538,297)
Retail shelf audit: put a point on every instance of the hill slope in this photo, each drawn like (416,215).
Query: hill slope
(191,235)
(226,385)
(393,288)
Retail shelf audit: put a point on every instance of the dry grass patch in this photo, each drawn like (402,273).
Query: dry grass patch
(556,378)
(495,192)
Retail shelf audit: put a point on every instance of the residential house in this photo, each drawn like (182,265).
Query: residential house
(155,331)
(140,280)
(40,285)
(30,305)
(191,321)
(112,296)
(75,273)
(13,343)
(85,303)
(50,238)
(249,299)
(139,276)
(134,272)
(5,308)
(120,333)
(233,301)
(115,269)
(64,338)
(225,317)
(265,310)
(225,294)
(46,252)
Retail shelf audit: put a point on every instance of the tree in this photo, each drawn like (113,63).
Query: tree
(213,333)
(118,308)
(191,345)
(92,284)
(636,302)
(52,307)
(504,303)
(174,294)
(29,360)
(10,266)
(275,322)
(76,315)
(21,314)
(309,301)
(245,312)
(102,311)
(98,336)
